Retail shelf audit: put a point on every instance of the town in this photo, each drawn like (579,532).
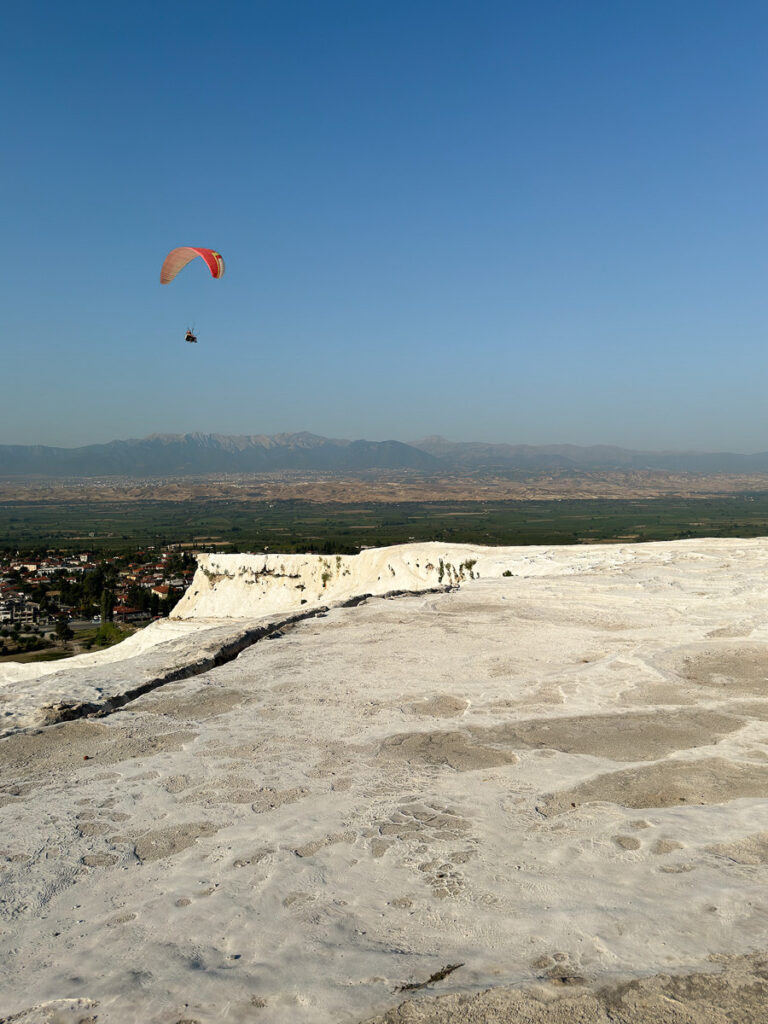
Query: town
(54,604)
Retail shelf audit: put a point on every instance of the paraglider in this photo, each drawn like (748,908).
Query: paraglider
(177,259)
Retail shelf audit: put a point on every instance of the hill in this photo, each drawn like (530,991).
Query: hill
(196,454)
(569,458)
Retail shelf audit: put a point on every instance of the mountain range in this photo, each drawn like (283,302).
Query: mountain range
(196,454)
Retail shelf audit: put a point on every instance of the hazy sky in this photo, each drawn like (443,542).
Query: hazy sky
(533,222)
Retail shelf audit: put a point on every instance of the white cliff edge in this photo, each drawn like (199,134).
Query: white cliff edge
(255,585)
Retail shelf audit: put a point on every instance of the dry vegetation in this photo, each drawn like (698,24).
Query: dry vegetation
(387,486)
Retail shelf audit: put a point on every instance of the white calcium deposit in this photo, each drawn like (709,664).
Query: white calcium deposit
(241,586)
(554,775)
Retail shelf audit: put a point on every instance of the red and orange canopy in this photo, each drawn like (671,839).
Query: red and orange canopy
(177,259)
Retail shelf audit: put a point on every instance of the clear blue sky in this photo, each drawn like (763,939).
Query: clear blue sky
(534,222)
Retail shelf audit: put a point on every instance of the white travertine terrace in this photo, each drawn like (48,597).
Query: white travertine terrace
(243,586)
(556,778)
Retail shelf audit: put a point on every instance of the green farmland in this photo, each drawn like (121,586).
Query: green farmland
(107,527)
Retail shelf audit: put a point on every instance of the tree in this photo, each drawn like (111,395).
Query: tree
(138,597)
(63,632)
(107,605)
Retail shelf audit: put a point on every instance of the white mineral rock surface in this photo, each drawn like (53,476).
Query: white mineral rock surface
(557,777)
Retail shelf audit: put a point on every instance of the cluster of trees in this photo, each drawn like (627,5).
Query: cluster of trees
(13,640)
(85,592)
(106,635)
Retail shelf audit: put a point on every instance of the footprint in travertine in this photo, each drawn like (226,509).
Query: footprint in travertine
(630,736)
(309,849)
(455,750)
(263,856)
(267,799)
(662,846)
(734,669)
(92,828)
(206,701)
(239,789)
(422,822)
(379,847)
(167,842)
(558,968)
(752,849)
(99,860)
(12,794)
(261,798)
(176,783)
(501,668)
(443,877)
(299,899)
(57,1011)
(402,902)
(710,780)
(121,840)
(335,764)
(627,842)
(425,824)
(442,705)
(305,906)
(119,919)
(89,826)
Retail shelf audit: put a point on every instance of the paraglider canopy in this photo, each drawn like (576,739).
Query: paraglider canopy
(177,259)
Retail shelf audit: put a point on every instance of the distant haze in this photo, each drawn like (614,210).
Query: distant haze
(198,454)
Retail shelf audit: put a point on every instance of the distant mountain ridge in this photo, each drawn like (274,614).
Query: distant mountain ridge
(474,455)
(196,454)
